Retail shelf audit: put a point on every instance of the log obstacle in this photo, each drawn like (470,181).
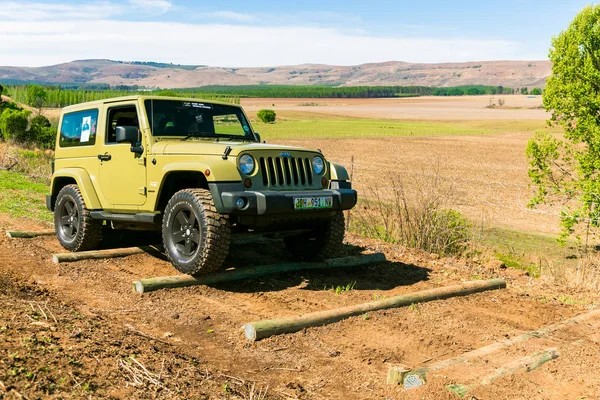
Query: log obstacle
(418,377)
(29,234)
(525,364)
(152,284)
(262,329)
(99,254)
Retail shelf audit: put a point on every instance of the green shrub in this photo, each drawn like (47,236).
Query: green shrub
(13,124)
(41,132)
(266,116)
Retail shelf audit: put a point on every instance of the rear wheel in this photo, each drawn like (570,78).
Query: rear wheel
(75,228)
(196,237)
(321,243)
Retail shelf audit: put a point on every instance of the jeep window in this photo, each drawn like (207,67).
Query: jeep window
(79,128)
(190,118)
(120,116)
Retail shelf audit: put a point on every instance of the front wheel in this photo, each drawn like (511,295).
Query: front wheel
(75,228)
(321,243)
(196,237)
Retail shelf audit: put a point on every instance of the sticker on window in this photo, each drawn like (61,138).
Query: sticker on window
(197,105)
(86,129)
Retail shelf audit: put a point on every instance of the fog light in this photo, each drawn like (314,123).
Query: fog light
(324,182)
(248,183)
(240,203)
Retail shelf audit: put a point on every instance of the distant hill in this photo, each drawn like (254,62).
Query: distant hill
(514,74)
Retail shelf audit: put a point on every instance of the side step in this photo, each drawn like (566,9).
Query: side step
(146,218)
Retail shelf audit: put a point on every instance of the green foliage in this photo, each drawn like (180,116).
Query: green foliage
(35,96)
(569,168)
(524,91)
(13,124)
(292,91)
(536,91)
(57,97)
(266,116)
(41,132)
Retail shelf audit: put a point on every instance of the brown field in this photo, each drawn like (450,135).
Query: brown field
(73,330)
(488,172)
(425,108)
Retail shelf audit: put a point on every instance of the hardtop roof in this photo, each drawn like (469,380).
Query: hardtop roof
(97,103)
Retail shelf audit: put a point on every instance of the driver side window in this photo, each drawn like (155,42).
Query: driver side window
(120,116)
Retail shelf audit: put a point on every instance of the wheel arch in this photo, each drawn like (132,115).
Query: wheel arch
(79,177)
(175,181)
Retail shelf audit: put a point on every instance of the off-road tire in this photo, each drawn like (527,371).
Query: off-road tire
(197,245)
(75,228)
(321,243)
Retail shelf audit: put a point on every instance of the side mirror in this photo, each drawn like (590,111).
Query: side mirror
(257,136)
(127,134)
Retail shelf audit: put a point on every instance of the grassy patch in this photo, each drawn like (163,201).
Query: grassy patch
(526,250)
(299,125)
(19,197)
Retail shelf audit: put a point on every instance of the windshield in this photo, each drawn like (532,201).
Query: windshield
(191,118)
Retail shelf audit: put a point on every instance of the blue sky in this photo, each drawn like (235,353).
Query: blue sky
(268,33)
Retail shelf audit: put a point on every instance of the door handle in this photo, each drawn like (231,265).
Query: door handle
(104,157)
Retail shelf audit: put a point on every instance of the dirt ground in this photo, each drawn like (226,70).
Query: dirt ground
(426,108)
(78,329)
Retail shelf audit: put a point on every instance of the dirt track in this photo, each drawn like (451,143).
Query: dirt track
(197,330)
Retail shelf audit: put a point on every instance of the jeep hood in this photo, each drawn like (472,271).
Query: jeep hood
(217,148)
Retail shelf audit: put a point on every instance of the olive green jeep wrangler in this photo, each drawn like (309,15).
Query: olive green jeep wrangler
(196,171)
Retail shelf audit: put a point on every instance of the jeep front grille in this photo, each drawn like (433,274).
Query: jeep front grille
(281,172)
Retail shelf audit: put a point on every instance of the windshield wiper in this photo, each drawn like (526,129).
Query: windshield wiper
(196,134)
(242,138)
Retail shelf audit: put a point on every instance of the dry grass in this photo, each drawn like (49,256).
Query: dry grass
(34,163)
(417,213)
(584,275)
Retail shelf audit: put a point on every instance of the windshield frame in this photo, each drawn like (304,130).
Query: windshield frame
(244,121)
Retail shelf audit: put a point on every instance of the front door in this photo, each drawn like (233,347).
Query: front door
(122,172)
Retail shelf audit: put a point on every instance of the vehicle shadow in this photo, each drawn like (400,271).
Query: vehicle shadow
(381,276)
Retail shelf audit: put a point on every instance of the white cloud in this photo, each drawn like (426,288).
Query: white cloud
(19,11)
(231,15)
(52,42)
(152,6)
(64,33)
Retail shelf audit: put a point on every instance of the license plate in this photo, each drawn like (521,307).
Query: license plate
(312,203)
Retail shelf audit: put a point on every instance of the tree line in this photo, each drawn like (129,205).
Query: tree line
(288,91)
(60,96)
(57,97)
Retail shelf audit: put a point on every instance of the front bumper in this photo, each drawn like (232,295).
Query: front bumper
(277,202)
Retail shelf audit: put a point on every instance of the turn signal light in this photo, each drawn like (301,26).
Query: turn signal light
(248,183)
(324,182)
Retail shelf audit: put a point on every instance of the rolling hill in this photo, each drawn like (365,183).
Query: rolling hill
(514,74)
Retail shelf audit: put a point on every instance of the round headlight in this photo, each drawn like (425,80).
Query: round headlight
(246,164)
(318,165)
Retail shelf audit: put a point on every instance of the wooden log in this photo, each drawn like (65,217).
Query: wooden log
(418,377)
(151,284)
(29,235)
(262,329)
(98,254)
(522,365)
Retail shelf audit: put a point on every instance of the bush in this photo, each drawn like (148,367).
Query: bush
(266,116)
(41,132)
(13,124)
(419,217)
